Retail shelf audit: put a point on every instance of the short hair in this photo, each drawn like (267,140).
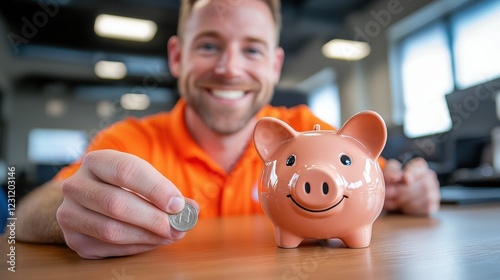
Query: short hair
(187,6)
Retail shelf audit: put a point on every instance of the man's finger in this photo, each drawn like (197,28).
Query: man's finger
(415,169)
(109,230)
(136,175)
(117,204)
(393,172)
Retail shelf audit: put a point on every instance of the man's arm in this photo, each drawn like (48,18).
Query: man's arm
(36,215)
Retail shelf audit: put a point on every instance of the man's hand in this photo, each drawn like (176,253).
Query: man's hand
(413,190)
(116,204)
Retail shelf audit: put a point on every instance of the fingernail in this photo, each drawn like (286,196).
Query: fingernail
(177,235)
(175,205)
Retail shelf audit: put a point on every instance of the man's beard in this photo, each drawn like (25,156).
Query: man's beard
(223,120)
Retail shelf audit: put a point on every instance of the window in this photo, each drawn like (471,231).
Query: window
(476,43)
(426,78)
(456,49)
(323,96)
(325,104)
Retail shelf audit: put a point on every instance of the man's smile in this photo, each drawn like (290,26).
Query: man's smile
(228,94)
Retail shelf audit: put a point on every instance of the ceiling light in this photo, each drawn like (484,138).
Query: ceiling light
(55,107)
(134,101)
(125,28)
(105,109)
(113,70)
(346,49)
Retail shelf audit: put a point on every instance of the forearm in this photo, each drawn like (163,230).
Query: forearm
(36,215)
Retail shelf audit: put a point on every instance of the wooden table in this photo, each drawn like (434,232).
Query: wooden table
(460,242)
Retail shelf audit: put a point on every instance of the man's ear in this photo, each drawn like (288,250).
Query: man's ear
(174,55)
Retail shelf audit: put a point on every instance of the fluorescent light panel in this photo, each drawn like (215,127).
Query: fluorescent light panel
(125,28)
(134,101)
(346,49)
(112,70)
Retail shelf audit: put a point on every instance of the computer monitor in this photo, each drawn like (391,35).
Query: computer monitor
(474,114)
(289,97)
(52,149)
(56,146)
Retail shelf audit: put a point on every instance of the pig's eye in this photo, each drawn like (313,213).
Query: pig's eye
(346,160)
(290,160)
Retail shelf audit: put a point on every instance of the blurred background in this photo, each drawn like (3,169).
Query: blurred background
(430,68)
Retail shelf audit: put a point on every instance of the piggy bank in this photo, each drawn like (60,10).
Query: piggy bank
(322,184)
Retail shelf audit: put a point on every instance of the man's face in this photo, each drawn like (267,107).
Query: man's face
(227,62)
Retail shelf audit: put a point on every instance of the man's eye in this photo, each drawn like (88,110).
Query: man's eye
(253,51)
(210,47)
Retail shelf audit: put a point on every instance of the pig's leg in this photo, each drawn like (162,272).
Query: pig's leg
(286,239)
(359,238)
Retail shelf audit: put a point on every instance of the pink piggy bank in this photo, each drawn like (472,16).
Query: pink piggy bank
(322,184)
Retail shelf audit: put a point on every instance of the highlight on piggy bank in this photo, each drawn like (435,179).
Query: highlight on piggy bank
(322,184)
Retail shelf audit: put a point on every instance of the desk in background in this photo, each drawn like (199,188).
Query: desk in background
(460,242)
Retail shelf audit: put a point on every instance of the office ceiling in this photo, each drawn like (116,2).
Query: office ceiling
(62,31)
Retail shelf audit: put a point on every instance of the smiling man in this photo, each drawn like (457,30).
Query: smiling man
(227,66)
(115,200)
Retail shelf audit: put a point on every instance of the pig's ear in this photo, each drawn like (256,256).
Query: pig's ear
(369,129)
(269,134)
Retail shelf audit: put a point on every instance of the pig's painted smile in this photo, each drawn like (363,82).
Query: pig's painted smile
(316,211)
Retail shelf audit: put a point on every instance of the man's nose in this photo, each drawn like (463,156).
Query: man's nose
(230,63)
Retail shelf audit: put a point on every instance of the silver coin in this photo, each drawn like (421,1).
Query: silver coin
(184,220)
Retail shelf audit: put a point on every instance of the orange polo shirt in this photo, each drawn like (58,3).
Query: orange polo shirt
(164,141)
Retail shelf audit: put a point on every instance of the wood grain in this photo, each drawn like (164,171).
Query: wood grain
(460,242)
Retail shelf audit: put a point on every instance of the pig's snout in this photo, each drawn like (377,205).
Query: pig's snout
(315,191)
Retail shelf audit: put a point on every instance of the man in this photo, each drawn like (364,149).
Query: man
(115,201)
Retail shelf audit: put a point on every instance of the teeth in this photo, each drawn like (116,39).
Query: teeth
(228,94)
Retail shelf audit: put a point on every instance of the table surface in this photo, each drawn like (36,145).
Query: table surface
(460,242)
